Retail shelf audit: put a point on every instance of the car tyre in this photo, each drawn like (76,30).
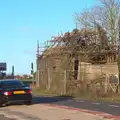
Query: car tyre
(3,104)
(28,102)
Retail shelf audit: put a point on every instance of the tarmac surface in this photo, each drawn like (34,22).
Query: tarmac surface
(112,108)
(61,108)
(2,117)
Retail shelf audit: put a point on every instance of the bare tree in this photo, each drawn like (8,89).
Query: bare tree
(106,14)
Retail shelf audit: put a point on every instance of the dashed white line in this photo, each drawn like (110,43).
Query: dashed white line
(113,105)
(80,101)
(11,116)
(95,103)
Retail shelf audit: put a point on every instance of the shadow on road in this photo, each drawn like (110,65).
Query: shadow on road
(42,99)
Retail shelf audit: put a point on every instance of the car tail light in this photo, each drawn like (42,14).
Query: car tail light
(7,93)
(29,91)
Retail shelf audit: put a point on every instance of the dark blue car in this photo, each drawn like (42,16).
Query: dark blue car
(13,91)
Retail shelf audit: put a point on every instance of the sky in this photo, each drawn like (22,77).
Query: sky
(23,22)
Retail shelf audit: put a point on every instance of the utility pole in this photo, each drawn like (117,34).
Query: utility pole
(37,48)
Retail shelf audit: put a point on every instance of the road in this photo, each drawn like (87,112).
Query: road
(106,107)
(2,117)
(42,109)
(7,113)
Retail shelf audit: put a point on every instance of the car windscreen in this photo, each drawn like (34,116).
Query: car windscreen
(7,84)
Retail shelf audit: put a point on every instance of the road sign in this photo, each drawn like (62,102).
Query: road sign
(3,66)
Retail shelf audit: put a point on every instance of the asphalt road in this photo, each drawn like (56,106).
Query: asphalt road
(2,117)
(7,114)
(106,107)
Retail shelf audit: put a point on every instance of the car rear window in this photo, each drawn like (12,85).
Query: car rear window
(11,83)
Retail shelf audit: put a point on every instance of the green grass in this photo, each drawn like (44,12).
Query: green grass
(111,99)
(104,99)
(27,79)
(37,91)
(115,98)
(27,82)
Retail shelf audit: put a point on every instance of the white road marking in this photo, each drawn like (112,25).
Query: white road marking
(80,101)
(12,116)
(113,105)
(95,103)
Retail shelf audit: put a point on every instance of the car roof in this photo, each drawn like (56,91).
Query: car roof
(9,80)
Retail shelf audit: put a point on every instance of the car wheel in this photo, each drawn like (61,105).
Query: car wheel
(3,104)
(28,102)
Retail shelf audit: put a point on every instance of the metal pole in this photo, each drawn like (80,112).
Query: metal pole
(49,80)
(65,82)
(37,78)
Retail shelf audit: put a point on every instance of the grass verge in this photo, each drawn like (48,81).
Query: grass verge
(37,91)
(115,98)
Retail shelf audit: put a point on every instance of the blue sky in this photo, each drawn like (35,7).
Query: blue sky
(23,22)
